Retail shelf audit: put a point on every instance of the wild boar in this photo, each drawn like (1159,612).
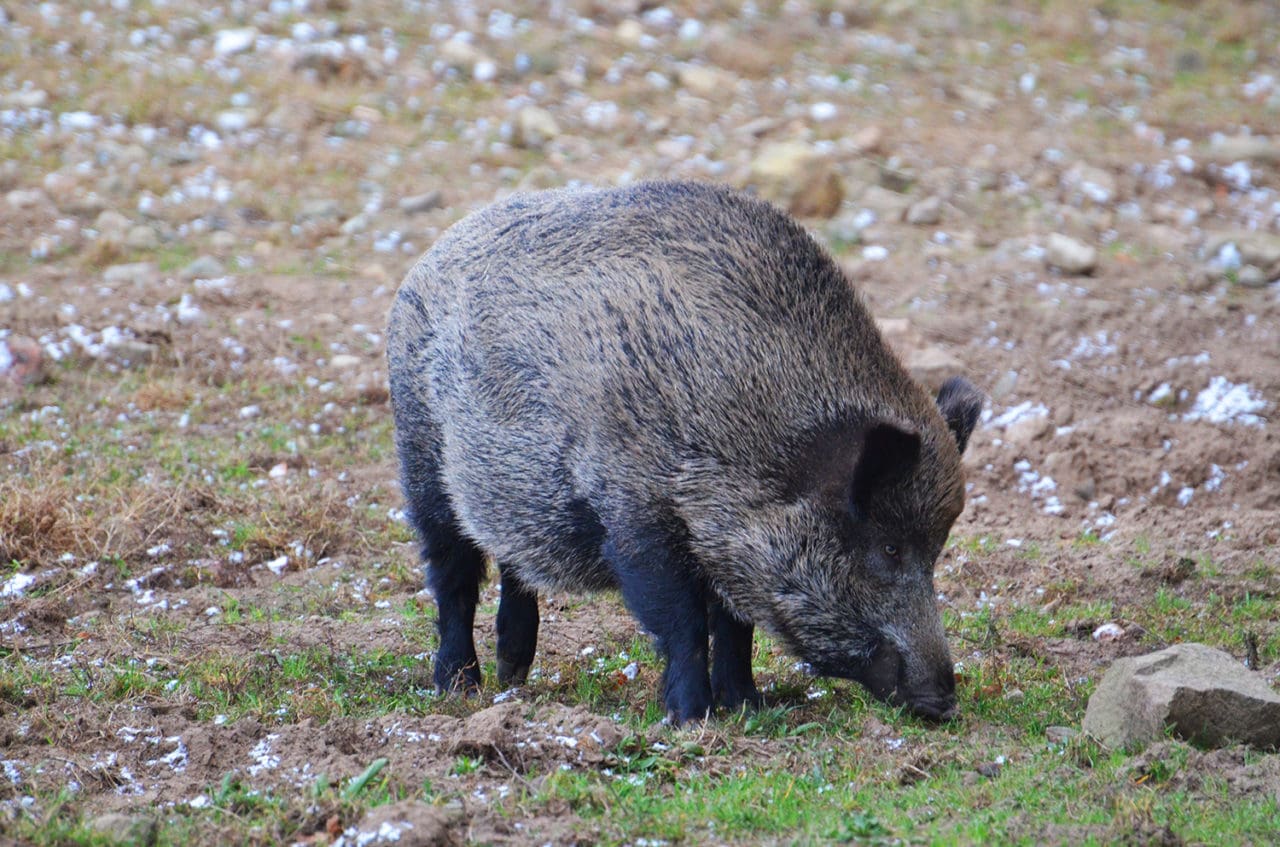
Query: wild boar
(670,389)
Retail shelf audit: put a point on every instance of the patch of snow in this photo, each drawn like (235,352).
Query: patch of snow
(1226,402)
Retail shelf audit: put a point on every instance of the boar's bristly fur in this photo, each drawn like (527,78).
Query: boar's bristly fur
(671,390)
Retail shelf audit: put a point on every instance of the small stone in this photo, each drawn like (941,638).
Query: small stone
(112,224)
(629,32)
(21,360)
(1108,632)
(222,241)
(1060,734)
(205,267)
(1203,694)
(235,120)
(123,829)
(705,81)
(888,205)
(927,212)
(932,366)
(291,116)
(356,224)
(1070,256)
(534,127)
(793,174)
(419,203)
(26,198)
(136,273)
(1094,184)
(27,98)
(322,209)
(131,351)
(142,237)
(869,139)
(1251,276)
(228,42)
(977,98)
(344,361)
(1236,148)
(464,56)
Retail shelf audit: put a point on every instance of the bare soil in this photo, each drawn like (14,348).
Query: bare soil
(1109,481)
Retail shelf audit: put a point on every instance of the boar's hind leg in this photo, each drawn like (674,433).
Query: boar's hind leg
(517,629)
(660,588)
(455,567)
(731,681)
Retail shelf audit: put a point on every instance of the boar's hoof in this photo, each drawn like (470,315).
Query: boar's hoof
(735,696)
(511,674)
(464,680)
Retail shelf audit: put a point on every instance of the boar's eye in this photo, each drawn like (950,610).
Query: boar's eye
(891,550)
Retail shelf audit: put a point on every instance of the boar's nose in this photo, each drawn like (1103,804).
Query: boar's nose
(936,702)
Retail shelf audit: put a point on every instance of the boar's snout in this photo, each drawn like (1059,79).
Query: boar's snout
(931,695)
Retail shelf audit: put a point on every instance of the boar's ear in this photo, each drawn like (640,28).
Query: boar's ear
(960,404)
(889,452)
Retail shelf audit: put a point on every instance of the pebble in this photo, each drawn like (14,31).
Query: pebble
(1060,734)
(1235,148)
(1069,255)
(419,203)
(926,212)
(120,828)
(142,237)
(344,361)
(26,198)
(704,80)
(534,127)
(229,42)
(112,224)
(137,273)
(21,360)
(205,267)
(797,176)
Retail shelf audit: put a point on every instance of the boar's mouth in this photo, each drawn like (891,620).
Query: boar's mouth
(884,674)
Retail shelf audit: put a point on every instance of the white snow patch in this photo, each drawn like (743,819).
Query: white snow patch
(16,585)
(1226,402)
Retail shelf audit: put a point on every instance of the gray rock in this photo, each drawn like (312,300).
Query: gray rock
(1068,255)
(419,203)
(205,267)
(118,828)
(927,212)
(1205,695)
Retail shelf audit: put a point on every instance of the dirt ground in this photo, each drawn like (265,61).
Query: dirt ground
(207,210)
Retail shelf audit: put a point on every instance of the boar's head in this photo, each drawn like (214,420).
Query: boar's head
(841,566)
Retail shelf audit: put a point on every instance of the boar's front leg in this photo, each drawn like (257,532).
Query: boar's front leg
(731,681)
(517,626)
(659,586)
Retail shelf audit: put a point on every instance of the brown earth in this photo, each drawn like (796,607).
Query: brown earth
(1103,474)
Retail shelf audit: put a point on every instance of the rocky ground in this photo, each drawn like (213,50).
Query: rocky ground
(207,208)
